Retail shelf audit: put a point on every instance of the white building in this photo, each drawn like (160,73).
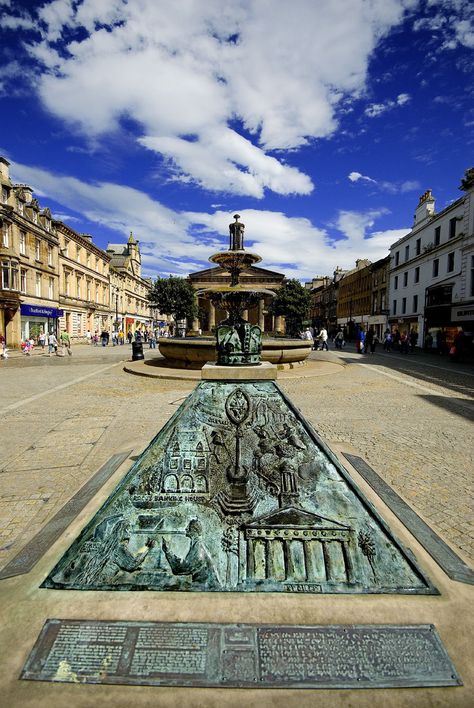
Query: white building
(432,270)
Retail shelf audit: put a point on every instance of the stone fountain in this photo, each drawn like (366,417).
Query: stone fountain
(238,343)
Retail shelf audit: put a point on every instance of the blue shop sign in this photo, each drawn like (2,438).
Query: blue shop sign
(40,311)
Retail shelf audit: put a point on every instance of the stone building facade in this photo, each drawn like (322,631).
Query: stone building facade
(129,291)
(84,291)
(53,278)
(432,269)
(29,255)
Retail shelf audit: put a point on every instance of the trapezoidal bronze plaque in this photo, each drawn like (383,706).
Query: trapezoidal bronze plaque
(238,493)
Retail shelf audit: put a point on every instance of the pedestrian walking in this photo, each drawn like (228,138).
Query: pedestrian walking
(42,340)
(52,343)
(104,338)
(339,339)
(65,340)
(387,341)
(323,338)
(121,336)
(89,337)
(129,336)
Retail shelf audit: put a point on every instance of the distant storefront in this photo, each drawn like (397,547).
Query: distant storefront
(37,318)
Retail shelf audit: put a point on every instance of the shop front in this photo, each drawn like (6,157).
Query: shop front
(36,319)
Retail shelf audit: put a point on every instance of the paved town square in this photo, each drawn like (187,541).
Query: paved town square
(409,417)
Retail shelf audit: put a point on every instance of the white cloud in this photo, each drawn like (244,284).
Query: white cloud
(376,109)
(450,20)
(384,185)
(208,70)
(356,176)
(181,242)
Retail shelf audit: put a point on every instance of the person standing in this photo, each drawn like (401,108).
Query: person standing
(42,339)
(89,337)
(121,337)
(369,338)
(129,336)
(104,338)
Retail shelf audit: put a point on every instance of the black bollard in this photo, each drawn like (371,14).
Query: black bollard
(137,351)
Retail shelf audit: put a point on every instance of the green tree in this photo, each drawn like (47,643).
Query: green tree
(292,300)
(174,296)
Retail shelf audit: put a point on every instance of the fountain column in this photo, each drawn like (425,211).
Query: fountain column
(261,316)
(212,316)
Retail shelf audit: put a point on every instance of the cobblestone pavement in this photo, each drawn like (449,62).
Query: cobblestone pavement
(61,419)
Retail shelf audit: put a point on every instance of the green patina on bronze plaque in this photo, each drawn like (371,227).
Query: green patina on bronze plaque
(238,493)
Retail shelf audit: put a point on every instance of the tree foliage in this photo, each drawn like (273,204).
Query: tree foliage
(174,296)
(292,300)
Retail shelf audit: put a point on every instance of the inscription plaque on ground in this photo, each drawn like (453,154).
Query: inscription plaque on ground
(169,654)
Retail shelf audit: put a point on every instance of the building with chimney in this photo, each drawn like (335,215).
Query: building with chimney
(29,255)
(432,270)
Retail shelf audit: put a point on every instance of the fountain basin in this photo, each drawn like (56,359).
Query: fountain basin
(194,352)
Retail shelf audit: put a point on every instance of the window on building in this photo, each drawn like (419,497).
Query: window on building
(450,267)
(435,267)
(4,195)
(22,243)
(5,234)
(97,264)
(418,246)
(407,252)
(104,296)
(437,238)
(66,283)
(38,285)
(78,287)
(21,208)
(415,303)
(452,227)
(37,249)
(405,279)
(23,281)
(395,283)
(404,305)
(50,255)
(397,258)
(9,275)
(97,293)
(88,260)
(34,216)
(66,247)
(394,307)
(51,288)
(416,277)
(89,290)
(78,254)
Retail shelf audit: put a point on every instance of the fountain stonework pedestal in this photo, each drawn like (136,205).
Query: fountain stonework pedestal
(238,494)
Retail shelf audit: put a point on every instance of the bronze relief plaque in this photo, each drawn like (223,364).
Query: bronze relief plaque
(238,493)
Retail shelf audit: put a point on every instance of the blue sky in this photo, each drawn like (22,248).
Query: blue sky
(320,121)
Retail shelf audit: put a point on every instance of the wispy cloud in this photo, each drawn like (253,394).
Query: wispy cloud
(376,109)
(184,240)
(384,185)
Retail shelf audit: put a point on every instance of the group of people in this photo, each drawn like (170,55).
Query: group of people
(118,338)
(319,338)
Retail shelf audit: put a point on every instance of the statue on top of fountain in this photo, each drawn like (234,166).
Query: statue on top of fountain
(236,231)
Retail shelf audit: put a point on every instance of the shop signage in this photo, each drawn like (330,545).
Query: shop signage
(459,314)
(40,311)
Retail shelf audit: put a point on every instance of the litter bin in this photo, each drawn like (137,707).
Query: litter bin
(137,351)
